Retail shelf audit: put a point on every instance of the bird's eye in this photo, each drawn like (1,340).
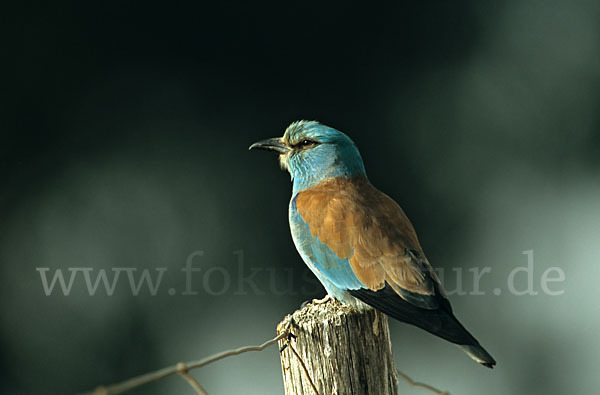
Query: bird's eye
(306,142)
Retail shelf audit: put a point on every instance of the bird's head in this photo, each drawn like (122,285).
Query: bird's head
(312,152)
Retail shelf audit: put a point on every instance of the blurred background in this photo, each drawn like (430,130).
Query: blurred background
(125,133)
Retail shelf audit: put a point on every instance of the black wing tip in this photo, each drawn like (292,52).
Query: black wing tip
(440,322)
(489,364)
(478,354)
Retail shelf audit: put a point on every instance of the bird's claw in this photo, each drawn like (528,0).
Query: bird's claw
(326,299)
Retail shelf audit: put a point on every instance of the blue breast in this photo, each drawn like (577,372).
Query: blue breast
(334,273)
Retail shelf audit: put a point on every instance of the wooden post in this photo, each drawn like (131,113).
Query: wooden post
(342,350)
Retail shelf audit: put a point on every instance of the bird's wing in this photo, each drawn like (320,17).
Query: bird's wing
(362,242)
(361,238)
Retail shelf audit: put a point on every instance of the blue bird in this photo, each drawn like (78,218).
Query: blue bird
(356,239)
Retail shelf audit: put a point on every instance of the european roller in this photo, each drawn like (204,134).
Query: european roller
(356,239)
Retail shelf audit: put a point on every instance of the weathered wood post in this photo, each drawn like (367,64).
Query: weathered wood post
(339,349)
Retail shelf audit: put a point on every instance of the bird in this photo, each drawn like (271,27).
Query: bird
(357,240)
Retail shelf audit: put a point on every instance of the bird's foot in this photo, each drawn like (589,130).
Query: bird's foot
(326,299)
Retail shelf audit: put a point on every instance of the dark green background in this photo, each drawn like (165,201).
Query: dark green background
(125,132)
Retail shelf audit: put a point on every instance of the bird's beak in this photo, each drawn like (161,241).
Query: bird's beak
(273,144)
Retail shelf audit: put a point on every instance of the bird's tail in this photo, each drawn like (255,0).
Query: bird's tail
(478,354)
(441,321)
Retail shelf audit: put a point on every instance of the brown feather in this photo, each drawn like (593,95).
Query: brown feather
(364,225)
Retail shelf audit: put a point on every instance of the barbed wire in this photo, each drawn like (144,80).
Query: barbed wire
(183,369)
(419,384)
